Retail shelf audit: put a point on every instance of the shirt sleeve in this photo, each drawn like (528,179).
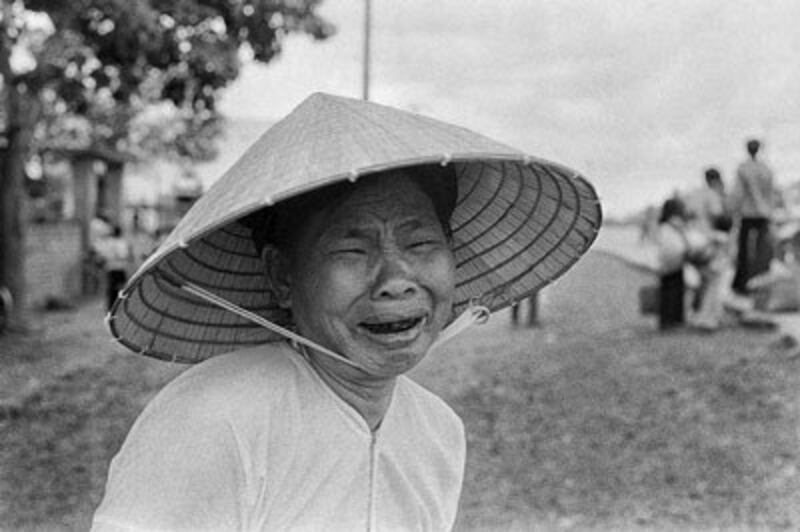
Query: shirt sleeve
(737,194)
(179,469)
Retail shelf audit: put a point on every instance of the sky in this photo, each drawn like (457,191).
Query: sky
(639,96)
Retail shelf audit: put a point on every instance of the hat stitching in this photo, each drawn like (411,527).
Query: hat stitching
(566,263)
(263,294)
(160,355)
(166,313)
(544,257)
(203,283)
(236,251)
(529,216)
(461,169)
(476,181)
(167,334)
(182,296)
(218,269)
(506,213)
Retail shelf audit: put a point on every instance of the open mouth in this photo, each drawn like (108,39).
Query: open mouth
(392,327)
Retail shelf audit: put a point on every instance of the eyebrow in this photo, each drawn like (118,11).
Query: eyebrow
(347,229)
(417,223)
(353,232)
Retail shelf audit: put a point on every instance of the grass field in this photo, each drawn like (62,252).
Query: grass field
(594,421)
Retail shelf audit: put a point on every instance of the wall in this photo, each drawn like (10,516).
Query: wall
(53,261)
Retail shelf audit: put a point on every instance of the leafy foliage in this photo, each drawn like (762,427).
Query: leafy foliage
(85,74)
(103,63)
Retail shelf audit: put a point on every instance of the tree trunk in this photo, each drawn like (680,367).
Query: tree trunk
(85,186)
(111,201)
(23,110)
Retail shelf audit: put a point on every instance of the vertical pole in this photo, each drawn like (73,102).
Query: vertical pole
(367,29)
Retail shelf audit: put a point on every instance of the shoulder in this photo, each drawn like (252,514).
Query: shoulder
(430,410)
(764,169)
(226,399)
(265,361)
(187,463)
(229,383)
(269,360)
(744,169)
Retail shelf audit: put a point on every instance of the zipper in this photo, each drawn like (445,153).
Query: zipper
(372,482)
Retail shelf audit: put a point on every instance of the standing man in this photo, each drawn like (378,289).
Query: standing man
(117,254)
(754,198)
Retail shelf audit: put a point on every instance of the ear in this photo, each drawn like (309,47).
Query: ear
(278,273)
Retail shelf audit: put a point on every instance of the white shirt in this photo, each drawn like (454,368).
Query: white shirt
(754,191)
(708,204)
(255,440)
(116,251)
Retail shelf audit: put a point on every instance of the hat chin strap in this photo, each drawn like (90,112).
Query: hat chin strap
(204,294)
(474,314)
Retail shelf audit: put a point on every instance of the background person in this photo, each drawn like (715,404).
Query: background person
(672,250)
(682,247)
(116,253)
(754,198)
(712,218)
(714,205)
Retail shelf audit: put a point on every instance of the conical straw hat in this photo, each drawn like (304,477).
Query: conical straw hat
(519,222)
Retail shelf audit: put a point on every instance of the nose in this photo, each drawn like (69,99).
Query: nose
(394,279)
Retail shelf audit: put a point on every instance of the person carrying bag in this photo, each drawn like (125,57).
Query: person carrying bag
(673,249)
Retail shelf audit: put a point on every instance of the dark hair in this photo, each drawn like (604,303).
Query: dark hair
(279,225)
(672,207)
(753,146)
(713,176)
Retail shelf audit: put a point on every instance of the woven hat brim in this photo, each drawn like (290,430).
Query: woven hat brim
(518,224)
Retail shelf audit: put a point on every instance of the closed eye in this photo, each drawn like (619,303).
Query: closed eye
(419,244)
(351,251)
(349,246)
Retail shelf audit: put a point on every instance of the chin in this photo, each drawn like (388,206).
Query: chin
(398,361)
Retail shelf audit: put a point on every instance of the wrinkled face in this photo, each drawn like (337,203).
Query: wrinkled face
(373,277)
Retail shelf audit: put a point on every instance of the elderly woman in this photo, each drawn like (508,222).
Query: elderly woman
(353,232)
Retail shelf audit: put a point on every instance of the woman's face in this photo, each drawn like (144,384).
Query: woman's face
(372,278)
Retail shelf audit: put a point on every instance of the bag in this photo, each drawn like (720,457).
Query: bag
(672,248)
(649,299)
(777,290)
(782,296)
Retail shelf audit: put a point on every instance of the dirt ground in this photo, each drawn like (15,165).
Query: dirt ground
(592,421)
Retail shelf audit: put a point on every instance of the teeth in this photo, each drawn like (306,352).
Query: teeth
(391,327)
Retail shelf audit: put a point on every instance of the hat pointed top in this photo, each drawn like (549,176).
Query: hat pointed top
(381,132)
(324,139)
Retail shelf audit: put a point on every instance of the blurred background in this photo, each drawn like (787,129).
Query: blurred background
(640,96)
